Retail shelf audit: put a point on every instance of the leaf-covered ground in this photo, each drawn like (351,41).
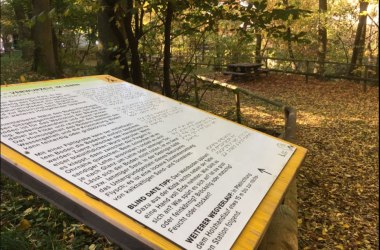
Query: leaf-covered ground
(338,186)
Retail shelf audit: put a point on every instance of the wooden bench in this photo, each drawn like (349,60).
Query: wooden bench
(245,70)
(262,71)
(234,73)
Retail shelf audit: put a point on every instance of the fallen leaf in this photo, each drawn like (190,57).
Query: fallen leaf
(24,224)
(22,78)
(28,211)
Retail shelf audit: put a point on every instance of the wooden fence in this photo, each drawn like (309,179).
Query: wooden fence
(365,73)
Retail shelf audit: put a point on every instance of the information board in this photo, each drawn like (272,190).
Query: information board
(190,176)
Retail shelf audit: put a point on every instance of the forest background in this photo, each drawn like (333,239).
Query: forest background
(133,39)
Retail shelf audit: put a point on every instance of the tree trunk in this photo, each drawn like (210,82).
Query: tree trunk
(369,46)
(45,60)
(289,41)
(358,50)
(55,52)
(322,39)
(203,48)
(24,31)
(107,57)
(290,48)
(168,21)
(377,65)
(133,45)
(259,40)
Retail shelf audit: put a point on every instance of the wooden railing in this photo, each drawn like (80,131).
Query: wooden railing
(289,132)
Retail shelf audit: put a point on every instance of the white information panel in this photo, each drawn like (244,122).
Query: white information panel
(188,175)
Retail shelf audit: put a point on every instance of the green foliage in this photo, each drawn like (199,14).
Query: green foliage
(289,13)
(14,240)
(29,222)
(27,48)
(76,29)
(8,20)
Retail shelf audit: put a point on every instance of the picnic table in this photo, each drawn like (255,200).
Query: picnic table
(243,69)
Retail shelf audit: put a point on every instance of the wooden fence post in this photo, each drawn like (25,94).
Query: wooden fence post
(290,123)
(196,93)
(282,231)
(365,76)
(237,100)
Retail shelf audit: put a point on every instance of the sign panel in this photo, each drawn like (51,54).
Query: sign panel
(186,174)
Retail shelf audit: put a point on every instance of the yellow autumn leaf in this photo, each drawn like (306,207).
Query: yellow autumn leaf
(28,211)
(24,224)
(67,12)
(92,247)
(340,246)
(22,78)
(85,229)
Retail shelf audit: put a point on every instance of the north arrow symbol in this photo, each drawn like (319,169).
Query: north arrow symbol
(263,171)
